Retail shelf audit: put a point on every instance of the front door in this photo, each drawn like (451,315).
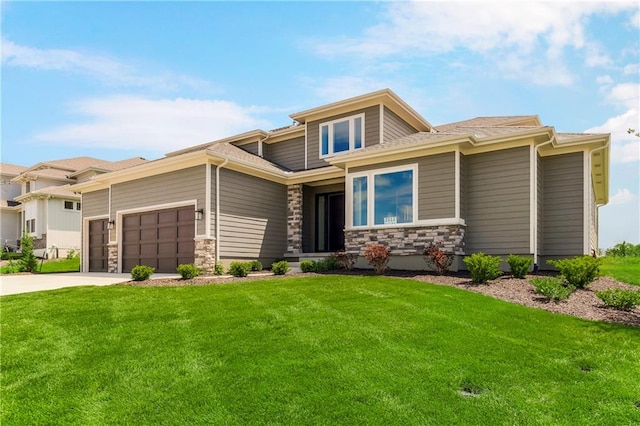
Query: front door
(330,222)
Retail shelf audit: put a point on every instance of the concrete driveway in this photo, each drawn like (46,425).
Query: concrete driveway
(14,284)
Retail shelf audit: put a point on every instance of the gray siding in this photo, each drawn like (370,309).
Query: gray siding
(289,154)
(371,133)
(95,203)
(463,186)
(250,147)
(176,186)
(436,183)
(563,205)
(498,202)
(253,218)
(394,127)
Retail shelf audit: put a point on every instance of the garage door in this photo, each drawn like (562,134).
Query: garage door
(98,240)
(162,239)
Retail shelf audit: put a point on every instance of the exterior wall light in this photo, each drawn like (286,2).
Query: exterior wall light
(199,214)
(111,224)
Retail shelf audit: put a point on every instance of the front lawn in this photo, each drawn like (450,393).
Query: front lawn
(311,350)
(48,266)
(625,269)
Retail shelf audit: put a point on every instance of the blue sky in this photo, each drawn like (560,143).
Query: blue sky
(118,79)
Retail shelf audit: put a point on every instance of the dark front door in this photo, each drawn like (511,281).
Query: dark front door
(330,222)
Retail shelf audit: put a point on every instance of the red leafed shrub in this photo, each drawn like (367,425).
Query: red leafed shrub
(345,259)
(437,258)
(378,256)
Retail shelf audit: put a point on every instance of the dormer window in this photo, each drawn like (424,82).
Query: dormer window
(341,135)
(27,186)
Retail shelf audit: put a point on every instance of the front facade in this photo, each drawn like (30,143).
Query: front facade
(366,169)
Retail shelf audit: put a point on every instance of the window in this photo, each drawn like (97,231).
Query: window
(384,197)
(342,135)
(27,186)
(68,205)
(78,206)
(30,226)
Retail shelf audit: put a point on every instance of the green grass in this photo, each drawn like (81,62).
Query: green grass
(625,269)
(48,266)
(314,350)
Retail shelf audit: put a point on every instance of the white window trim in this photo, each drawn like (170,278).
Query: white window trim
(351,119)
(370,174)
(73,206)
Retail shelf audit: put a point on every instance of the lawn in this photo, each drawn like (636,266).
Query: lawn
(625,269)
(48,266)
(312,350)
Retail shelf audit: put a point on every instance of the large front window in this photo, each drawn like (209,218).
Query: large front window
(383,197)
(345,134)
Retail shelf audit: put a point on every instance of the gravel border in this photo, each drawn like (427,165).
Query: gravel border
(583,303)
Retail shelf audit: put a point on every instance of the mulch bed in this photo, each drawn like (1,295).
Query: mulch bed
(583,303)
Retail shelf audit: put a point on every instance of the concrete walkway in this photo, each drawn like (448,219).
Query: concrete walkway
(26,283)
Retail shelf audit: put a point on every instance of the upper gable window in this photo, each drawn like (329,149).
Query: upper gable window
(342,135)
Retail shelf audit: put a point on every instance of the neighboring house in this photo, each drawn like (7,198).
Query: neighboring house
(366,169)
(48,209)
(10,209)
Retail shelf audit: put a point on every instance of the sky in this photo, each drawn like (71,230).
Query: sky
(115,80)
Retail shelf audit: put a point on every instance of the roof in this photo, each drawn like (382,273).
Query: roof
(59,191)
(66,168)
(230,151)
(494,121)
(11,169)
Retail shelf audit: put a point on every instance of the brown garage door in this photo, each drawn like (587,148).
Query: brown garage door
(98,240)
(162,239)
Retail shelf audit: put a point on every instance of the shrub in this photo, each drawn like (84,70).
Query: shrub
(519,265)
(307,265)
(345,260)
(256,265)
(280,268)
(188,271)
(218,269)
(437,259)
(579,271)
(28,261)
(617,298)
(624,249)
(552,288)
(73,254)
(141,272)
(11,255)
(483,267)
(329,263)
(378,256)
(239,269)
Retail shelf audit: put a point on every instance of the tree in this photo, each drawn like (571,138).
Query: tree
(28,262)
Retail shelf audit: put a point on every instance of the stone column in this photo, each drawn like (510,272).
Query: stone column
(112,258)
(294,219)
(205,255)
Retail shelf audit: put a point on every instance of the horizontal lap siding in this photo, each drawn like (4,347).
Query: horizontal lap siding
(253,217)
(180,185)
(95,203)
(498,202)
(563,205)
(289,154)
(394,127)
(371,133)
(250,147)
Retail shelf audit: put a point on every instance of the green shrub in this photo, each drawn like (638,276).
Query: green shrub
(256,265)
(280,268)
(239,269)
(28,261)
(437,259)
(617,298)
(10,268)
(519,265)
(141,272)
(483,267)
(579,271)
(552,288)
(188,271)
(73,254)
(378,256)
(307,265)
(624,249)
(328,263)
(218,269)
(345,260)
(11,255)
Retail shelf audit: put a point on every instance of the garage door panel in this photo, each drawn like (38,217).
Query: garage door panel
(98,250)
(163,239)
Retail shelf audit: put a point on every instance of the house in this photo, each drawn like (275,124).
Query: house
(45,205)
(10,210)
(365,169)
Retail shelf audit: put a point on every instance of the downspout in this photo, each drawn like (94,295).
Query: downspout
(535,228)
(224,163)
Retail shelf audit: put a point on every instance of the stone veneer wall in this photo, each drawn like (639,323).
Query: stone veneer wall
(205,255)
(112,258)
(407,241)
(40,243)
(294,219)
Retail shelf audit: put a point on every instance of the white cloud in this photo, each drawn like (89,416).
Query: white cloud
(623,196)
(604,80)
(625,148)
(631,69)
(137,123)
(524,39)
(101,67)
